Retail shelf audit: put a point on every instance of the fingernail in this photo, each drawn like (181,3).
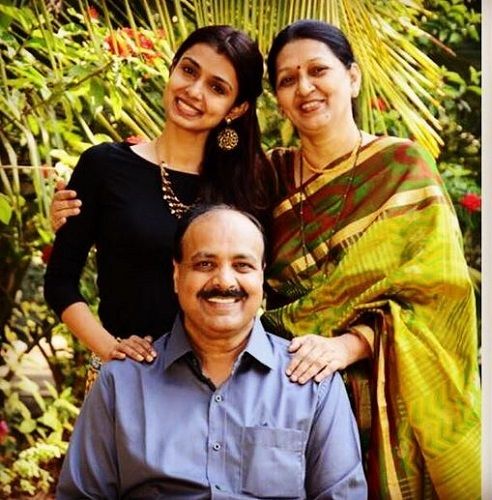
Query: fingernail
(294,378)
(140,357)
(149,358)
(154,354)
(288,372)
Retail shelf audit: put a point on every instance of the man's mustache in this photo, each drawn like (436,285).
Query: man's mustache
(233,293)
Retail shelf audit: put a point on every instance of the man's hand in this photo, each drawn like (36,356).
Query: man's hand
(137,348)
(64,204)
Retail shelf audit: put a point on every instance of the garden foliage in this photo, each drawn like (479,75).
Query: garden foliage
(74,74)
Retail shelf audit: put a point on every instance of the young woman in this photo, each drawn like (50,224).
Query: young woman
(369,275)
(132,196)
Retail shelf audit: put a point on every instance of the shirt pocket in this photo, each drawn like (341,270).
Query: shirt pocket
(272,463)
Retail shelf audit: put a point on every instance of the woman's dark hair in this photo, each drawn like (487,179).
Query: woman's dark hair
(189,217)
(311,29)
(242,177)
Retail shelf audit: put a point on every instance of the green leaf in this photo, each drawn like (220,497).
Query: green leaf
(286,132)
(33,124)
(97,92)
(116,102)
(475,89)
(27,426)
(5,209)
(24,15)
(50,419)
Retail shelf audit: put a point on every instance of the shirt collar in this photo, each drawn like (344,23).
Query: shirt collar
(177,345)
(259,346)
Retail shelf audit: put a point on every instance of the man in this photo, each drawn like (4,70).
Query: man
(214,416)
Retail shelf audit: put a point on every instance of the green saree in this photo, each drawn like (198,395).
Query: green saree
(389,257)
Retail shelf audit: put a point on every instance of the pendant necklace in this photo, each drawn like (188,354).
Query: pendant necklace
(354,156)
(176,206)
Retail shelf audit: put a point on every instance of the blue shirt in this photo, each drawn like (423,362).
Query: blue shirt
(162,430)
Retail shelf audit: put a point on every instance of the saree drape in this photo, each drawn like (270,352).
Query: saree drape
(394,261)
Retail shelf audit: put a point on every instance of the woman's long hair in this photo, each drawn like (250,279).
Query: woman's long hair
(242,177)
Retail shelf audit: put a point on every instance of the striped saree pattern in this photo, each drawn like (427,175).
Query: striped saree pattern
(395,263)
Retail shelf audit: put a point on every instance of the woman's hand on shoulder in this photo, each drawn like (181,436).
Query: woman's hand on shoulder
(137,348)
(64,204)
(316,357)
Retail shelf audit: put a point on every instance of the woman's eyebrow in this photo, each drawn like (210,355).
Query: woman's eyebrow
(215,77)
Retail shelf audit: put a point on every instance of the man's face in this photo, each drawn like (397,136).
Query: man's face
(219,280)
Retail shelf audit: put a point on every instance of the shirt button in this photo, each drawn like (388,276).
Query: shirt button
(216,446)
(218,398)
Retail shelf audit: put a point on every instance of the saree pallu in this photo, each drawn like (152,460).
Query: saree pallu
(394,262)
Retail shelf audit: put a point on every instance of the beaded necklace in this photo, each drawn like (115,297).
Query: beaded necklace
(176,206)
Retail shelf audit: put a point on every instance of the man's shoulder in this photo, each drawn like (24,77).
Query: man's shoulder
(278,343)
(283,357)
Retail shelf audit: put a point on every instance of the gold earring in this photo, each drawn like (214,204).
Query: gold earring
(227,139)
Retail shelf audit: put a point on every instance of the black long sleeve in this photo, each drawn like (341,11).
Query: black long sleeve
(124,216)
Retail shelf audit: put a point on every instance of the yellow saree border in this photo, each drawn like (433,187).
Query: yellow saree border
(384,427)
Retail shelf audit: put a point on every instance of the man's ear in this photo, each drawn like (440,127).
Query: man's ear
(238,111)
(175,275)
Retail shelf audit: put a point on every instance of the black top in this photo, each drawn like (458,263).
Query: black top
(124,215)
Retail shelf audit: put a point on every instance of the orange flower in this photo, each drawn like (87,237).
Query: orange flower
(92,12)
(126,42)
(378,103)
(117,45)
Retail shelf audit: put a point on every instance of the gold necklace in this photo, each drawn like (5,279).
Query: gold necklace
(176,206)
(324,169)
(354,156)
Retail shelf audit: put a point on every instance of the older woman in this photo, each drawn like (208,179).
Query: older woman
(369,275)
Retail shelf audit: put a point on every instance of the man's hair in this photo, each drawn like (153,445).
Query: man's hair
(198,211)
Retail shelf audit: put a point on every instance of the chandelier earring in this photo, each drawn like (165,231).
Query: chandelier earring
(227,139)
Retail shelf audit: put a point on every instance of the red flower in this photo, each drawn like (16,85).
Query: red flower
(145,42)
(378,103)
(126,42)
(92,12)
(117,45)
(135,139)
(472,202)
(4,430)
(46,253)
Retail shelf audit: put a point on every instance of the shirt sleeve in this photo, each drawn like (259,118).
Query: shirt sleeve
(90,468)
(74,240)
(333,456)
